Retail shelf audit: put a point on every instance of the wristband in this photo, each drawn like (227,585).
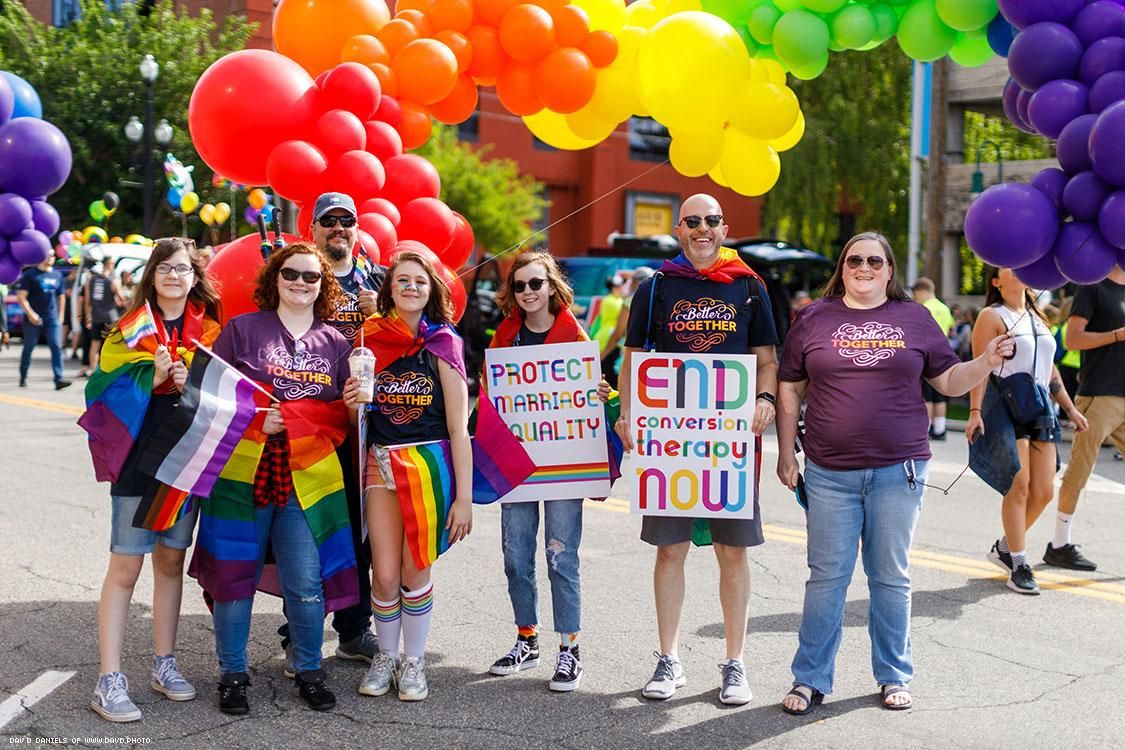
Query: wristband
(768,397)
(972,410)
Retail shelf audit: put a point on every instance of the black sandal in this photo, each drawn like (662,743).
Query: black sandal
(814,699)
(889,690)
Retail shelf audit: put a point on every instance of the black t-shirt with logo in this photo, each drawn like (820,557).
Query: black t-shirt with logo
(408,405)
(348,318)
(103,307)
(1103,369)
(528,337)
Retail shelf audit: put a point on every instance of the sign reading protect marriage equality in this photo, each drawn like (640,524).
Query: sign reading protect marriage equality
(548,397)
(691,418)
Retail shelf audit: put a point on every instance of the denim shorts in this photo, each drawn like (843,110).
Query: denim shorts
(1043,429)
(126,539)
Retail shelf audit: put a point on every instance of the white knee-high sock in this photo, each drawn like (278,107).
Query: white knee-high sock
(417,609)
(388,624)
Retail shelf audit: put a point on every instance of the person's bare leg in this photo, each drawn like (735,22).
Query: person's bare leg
(113,608)
(668,587)
(167,592)
(734,595)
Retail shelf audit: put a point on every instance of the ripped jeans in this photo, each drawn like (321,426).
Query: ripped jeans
(519,532)
(298,570)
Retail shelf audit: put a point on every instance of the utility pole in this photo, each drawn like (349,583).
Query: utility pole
(936,174)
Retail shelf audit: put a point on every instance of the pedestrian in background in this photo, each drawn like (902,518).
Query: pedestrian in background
(936,402)
(41,295)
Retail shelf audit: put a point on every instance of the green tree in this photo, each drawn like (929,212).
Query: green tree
(87,76)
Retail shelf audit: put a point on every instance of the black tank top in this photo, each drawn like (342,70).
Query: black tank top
(103,308)
(408,406)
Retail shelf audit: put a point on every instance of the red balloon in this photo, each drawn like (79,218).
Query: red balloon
(353,87)
(408,177)
(234,272)
(305,219)
(358,174)
(390,112)
(382,140)
(296,170)
(429,221)
(243,106)
(413,246)
(369,246)
(380,229)
(461,248)
(456,291)
(381,206)
(338,131)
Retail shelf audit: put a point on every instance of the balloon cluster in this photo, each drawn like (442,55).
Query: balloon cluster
(181,187)
(214,215)
(102,209)
(35,161)
(1067,66)
(258,203)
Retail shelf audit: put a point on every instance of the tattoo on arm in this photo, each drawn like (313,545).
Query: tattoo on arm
(1055,386)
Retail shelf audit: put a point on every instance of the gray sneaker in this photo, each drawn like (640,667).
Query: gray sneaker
(361,648)
(166,678)
(735,690)
(111,699)
(412,679)
(669,676)
(288,669)
(380,677)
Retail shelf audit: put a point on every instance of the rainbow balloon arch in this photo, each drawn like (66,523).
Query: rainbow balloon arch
(350,89)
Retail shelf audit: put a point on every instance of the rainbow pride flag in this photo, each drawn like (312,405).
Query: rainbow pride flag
(139,327)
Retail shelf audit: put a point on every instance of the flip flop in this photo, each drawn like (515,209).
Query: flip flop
(812,701)
(889,690)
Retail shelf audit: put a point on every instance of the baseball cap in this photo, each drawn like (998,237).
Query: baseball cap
(328,201)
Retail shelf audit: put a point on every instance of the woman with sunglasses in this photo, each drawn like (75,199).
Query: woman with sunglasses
(858,357)
(1010,306)
(293,501)
(536,300)
(185,309)
(421,396)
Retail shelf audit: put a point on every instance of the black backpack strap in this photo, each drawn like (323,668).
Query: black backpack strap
(654,331)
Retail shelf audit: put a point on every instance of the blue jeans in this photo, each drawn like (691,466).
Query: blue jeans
(880,508)
(519,532)
(298,570)
(51,331)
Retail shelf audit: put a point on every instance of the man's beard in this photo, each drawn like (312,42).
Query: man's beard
(337,249)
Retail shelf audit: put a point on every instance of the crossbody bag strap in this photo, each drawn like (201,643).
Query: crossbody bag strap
(650,343)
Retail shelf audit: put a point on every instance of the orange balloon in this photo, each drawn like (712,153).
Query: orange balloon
(313,32)
(493,11)
(516,88)
(601,48)
(422,5)
(565,80)
(397,34)
(416,125)
(426,70)
(488,56)
(366,49)
(527,33)
(451,15)
(551,5)
(388,82)
(459,105)
(459,45)
(420,21)
(572,25)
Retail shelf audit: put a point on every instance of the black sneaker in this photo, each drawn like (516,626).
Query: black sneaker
(1002,560)
(939,436)
(1067,556)
(316,694)
(568,671)
(60,384)
(233,696)
(23,382)
(524,655)
(1022,581)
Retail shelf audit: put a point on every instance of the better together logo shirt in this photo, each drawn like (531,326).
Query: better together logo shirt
(408,405)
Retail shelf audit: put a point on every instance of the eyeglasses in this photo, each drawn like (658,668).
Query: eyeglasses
(535,284)
(292,274)
(874,262)
(181,269)
(347,222)
(693,222)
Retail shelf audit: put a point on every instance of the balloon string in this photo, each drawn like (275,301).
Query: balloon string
(576,211)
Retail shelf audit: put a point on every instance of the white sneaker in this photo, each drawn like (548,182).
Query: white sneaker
(668,677)
(735,690)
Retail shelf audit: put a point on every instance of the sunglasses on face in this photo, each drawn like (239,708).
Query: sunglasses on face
(693,222)
(347,222)
(535,284)
(874,262)
(292,274)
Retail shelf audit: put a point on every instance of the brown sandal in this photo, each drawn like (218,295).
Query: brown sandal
(889,690)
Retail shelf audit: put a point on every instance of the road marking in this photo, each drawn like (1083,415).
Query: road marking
(34,403)
(40,688)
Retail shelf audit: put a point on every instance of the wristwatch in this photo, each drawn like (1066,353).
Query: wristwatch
(768,397)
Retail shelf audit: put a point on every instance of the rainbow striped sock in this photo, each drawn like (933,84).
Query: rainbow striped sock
(528,631)
(417,609)
(388,624)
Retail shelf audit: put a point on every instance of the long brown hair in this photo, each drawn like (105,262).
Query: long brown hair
(439,307)
(267,297)
(835,285)
(992,294)
(201,292)
(563,297)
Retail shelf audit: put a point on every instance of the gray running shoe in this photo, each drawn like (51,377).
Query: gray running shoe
(111,699)
(288,669)
(669,676)
(361,648)
(380,677)
(166,678)
(735,690)
(412,679)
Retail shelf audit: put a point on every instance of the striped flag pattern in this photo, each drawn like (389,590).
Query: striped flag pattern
(138,326)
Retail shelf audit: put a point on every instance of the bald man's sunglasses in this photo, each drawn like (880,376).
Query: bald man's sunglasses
(693,222)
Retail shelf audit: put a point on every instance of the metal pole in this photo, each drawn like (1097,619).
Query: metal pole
(148,147)
(914,225)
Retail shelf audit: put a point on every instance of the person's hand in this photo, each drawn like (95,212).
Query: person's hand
(1078,419)
(788,470)
(974,427)
(604,391)
(764,413)
(6,340)
(34,319)
(163,362)
(366,302)
(460,519)
(351,393)
(999,349)
(621,427)
(274,422)
(179,373)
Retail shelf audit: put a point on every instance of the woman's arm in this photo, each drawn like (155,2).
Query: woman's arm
(988,326)
(789,398)
(959,378)
(1062,398)
(456,395)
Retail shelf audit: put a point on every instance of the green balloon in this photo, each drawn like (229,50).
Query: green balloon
(810,70)
(97,210)
(761,23)
(886,22)
(971,48)
(747,40)
(824,6)
(853,27)
(766,52)
(966,15)
(921,33)
(788,5)
(801,38)
(734,12)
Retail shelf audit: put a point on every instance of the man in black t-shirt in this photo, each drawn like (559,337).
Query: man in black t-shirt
(1097,329)
(100,299)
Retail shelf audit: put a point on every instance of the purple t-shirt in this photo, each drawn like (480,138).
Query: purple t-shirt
(865,369)
(313,366)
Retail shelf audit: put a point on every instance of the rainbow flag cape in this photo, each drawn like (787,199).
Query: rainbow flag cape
(138,328)
(726,268)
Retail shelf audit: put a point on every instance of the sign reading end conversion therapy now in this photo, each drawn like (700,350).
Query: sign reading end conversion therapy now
(691,417)
(548,397)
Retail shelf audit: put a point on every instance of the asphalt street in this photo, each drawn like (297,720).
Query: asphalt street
(993,668)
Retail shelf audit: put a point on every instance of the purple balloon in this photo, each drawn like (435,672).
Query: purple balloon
(1084,194)
(1082,254)
(1111,219)
(1098,20)
(1023,98)
(1008,99)
(1056,104)
(1051,182)
(1024,13)
(1042,274)
(1073,148)
(1106,138)
(15,213)
(1044,52)
(45,217)
(9,268)
(1011,225)
(7,100)
(1103,56)
(1107,90)
(251,214)
(35,157)
(30,247)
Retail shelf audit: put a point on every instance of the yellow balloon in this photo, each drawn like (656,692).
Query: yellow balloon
(643,13)
(765,110)
(207,214)
(94,234)
(696,154)
(774,71)
(751,165)
(551,128)
(793,137)
(716,174)
(585,124)
(604,14)
(628,44)
(615,95)
(136,239)
(222,212)
(189,202)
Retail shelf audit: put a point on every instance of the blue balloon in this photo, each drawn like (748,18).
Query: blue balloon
(27,102)
(175,195)
(1000,35)
(267,212)
(7,100)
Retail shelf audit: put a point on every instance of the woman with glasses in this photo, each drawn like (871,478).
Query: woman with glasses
(283,488)
(858,357)
(144,378)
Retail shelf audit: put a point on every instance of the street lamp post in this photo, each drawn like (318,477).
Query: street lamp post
(159,134)
(978,176)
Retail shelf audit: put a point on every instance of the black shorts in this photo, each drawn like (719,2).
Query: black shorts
(1042,429)
(662,531)
(931,395)
(99,331)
